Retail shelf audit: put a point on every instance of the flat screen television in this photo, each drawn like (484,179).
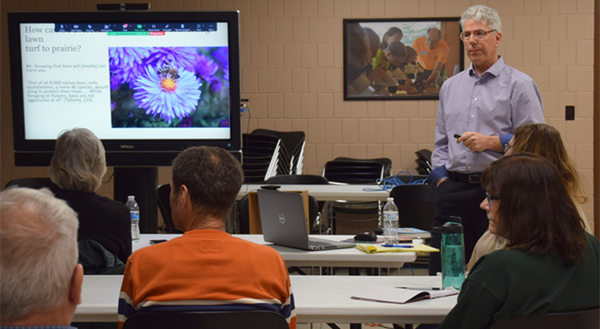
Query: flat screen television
(148,84)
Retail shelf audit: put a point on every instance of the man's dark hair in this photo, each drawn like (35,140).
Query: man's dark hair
(213,178)
(397,49)
(536,212)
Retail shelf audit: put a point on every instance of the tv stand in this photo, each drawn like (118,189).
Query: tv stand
(141,182)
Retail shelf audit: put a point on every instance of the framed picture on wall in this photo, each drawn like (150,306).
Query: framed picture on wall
(387,59)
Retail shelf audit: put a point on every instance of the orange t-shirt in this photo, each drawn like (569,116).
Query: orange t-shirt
(206,270)
(428,57)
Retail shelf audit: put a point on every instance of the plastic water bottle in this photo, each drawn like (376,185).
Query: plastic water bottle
(390,222)
(134,210)
(453,253)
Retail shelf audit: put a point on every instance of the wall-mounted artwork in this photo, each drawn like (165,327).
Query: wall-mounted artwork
(400,58)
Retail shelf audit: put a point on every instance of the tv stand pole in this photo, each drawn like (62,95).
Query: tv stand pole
(141,182)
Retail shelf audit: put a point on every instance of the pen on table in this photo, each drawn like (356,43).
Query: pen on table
(419,288)
(396,246)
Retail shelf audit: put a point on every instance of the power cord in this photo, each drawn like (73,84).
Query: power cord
(388,183)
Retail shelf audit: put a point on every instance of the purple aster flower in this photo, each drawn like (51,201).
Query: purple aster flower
(226,74)
(221,55)
(184,57)
(215,85)
(167,93)
(126,63)
(224,123)
(186,122)
(115,81)
(206,67)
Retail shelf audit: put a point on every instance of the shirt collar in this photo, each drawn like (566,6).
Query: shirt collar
(494,70)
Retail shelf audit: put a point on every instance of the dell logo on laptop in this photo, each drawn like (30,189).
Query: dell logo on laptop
(281,218)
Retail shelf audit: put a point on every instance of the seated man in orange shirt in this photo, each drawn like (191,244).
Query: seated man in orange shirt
(206,269)
(432,53)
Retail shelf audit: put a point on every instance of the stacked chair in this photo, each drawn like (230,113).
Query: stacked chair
(267,153)
(291,152)
(260,157)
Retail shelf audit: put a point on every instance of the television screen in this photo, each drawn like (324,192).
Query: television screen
(400,58)
(148,84)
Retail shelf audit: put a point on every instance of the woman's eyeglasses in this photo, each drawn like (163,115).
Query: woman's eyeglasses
(490,197)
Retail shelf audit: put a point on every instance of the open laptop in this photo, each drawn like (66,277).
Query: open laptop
(284,222)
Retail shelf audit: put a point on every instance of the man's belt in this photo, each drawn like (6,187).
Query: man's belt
(465,178)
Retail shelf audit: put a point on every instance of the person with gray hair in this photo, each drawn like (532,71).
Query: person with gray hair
(77,167)
(41,280)
(479,109)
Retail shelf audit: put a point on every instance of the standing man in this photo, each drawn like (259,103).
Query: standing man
(432,53)
(478,112)
(41,281)
(206,268)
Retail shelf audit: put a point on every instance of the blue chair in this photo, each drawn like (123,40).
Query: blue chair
(206,320)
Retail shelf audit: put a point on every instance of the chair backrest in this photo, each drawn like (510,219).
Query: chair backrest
(261,158)
(386,162)
(36,183)
(206,320)
(416,205)
(164,204)
(292,148)
(314,207)
(355,171)
(582,319)
(297,179)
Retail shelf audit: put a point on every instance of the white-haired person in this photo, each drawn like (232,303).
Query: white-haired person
(77,167)
(41,281)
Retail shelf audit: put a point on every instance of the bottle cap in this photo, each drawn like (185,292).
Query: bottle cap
(390,198)
(418,241)
(449,227)
(131,197)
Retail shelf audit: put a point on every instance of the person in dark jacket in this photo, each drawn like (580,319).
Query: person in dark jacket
(77,167)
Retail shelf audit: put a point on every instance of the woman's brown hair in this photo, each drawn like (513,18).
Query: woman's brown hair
(545,141)
(536,212)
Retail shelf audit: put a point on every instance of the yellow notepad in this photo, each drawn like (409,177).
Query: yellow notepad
(375,248)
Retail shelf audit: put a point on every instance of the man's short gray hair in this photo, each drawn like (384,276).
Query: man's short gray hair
(481,13)
(79,161)
(38,252)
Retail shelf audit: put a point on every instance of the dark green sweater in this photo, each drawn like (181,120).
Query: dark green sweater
(512,283)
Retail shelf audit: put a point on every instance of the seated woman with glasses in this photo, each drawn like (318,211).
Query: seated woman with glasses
(77,167)
(545,141)
(550,264)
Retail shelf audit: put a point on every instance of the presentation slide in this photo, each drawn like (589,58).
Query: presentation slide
(122,81)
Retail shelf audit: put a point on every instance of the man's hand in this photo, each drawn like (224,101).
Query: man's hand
(377,74)
(440,181)
(478,142)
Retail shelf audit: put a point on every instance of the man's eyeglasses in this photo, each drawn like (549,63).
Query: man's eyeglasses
(490,197)
(479,34)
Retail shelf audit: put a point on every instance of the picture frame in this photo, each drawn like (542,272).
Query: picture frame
(402,66)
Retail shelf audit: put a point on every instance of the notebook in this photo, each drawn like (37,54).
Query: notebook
(400,295)
(284,222)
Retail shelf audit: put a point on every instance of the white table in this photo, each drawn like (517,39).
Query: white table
(328,192)
(348,257)
(319,299)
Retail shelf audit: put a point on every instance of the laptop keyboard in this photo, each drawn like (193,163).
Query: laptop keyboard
(320,244)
